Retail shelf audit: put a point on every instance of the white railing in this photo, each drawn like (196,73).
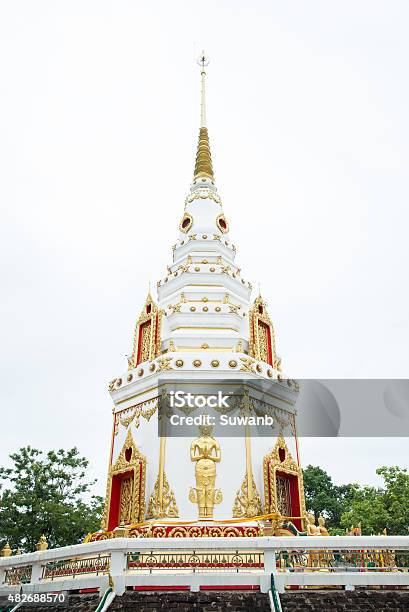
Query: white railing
(343,561)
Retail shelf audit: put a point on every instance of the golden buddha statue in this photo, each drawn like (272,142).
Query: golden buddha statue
(321,526)
(312,529)
(205,451)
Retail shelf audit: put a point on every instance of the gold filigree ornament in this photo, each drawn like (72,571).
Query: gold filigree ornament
(144,410)
(248,364)
(233,308)
(147,336)
(203,194)
(165,507)
(186,223)
(261,333)
(222,224)
(279,462)
(164,363)
(130,463)
(246,505)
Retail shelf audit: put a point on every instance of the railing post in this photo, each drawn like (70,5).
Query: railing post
(269,561)
(2,575)
(36,572)
(269,568)
(195,583)
(118,569)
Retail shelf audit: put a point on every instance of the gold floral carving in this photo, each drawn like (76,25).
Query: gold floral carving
(273,463)
(167,508)
(246,505)
(126,501)
(263,342)
(130,459)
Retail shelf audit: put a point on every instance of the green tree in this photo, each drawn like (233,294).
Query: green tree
(377,508)
(368,509)
(44,494)
(322,496)
(396,499)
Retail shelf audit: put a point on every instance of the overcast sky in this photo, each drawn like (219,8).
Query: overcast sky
(308,119)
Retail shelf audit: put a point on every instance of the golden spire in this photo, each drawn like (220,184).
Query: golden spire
(203,165)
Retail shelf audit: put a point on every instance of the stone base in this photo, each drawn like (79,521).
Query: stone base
(241,601)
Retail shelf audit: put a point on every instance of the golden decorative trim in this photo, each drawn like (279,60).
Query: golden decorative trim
(144,409)
(190,531)
(248,364)
(215,363)
(219,220)
(246,505)
(233,363)
(179,363)
(203,194)
(185,227)
(197,363)
(164,505)
(203,165)
(164,363)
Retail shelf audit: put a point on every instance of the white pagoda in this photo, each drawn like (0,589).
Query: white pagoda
(204,325)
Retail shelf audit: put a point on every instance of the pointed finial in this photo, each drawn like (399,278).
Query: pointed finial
(203,61)
(203,165)
(42,543)
(6,552)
